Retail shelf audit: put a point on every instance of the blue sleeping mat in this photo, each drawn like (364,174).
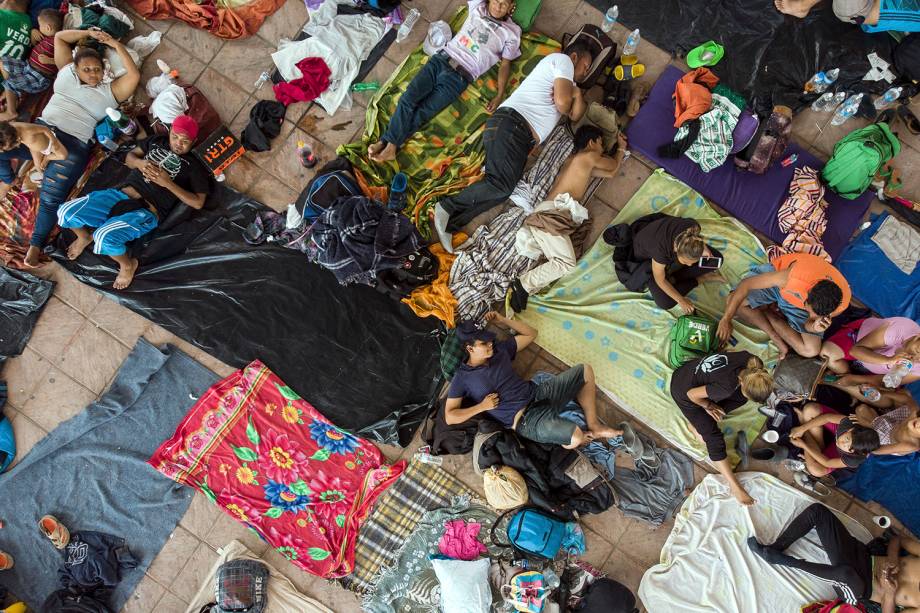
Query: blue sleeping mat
(882,478)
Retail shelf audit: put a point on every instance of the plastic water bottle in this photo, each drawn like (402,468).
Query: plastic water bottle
(815,82)
(828,102)
(888,98)
(369,86)
(263,79)
(306,155)
(632,42)
(870,393)
(550,579)
(893,377)
(124,123)
(406,26)
(610,18)
(847,109)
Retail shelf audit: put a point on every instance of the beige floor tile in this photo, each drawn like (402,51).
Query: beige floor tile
(242,174)
(617,190)
(169,562)
(807,125)
(286,22)
(171,604)
(446,12)
(598,548)
(55,399)
(80,296)
(226,529)
(145,598)
(121,322)
(271,191)
(907,161)
(381,72)
(626,570)
(22,373)
(225,96)
(643,542)
(93,357)
(554,16)
(262,158)
(286,165)
(200,517)
(584,13)
(430,12)
(26,433)
(57,325)
(859,511)
(193,574)
(333,130)
(601,214)
(829,136)
(242,61)
(189,66)
(611,523)
(200,44)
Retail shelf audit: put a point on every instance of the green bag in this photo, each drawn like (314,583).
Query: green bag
(858,157)
(525,12)
(692,336)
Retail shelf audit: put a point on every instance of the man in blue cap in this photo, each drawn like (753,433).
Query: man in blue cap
(487,379)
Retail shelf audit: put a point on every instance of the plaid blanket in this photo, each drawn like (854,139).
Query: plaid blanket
(421,488)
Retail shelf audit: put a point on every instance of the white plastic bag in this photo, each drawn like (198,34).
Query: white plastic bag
(144,45)
(169,104)
(439,35)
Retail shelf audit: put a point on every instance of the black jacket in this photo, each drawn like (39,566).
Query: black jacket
(632,273)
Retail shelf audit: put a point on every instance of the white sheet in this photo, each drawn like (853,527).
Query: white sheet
(706,564)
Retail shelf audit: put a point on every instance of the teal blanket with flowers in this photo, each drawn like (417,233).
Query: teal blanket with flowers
(271,461)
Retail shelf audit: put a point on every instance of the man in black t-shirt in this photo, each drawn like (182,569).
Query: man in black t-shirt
(164,174)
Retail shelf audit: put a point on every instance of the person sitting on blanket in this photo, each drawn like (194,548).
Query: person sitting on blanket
(705,389)
(487,379)
(27,140)
(882,574)
(548,231)
(487,36)
(21,76)
(898,429)
(807,292)
(861,12)
(164,174)
(522,121)
(878,345)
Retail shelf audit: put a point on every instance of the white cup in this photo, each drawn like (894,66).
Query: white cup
(882,521)
(771,436)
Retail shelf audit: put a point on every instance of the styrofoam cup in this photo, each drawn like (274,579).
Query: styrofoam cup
(771,436)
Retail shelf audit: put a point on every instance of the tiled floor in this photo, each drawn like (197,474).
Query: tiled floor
(82,337)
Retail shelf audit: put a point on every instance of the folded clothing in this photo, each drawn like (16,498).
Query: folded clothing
(314,80)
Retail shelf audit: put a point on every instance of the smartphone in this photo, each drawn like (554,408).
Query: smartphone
(710,262)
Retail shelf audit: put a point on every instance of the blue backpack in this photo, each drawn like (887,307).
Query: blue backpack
(323,191)
(532,533)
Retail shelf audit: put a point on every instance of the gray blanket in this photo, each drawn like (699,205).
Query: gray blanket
(91,473)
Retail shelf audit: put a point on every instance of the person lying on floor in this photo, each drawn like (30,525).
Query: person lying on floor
(486,37)
(807,292)
(898,429)
(487,379)
(27,141)
(547,232)
(164,174)
(706,389)
(878,345)
(35,74)
(520,123)
(859,572)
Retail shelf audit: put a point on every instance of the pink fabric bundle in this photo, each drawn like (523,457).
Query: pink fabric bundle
(314,81)
(460,540)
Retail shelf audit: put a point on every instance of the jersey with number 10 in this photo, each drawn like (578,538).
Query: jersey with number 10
(14,34)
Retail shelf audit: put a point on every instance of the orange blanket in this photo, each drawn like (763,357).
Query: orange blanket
(239,22)
(436,298)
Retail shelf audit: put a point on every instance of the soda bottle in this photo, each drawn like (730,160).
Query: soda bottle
(370,86)
(305,152)
(632,42)
(893,377)
(847,109)
(610,18)
(870,393)
(888,98)
(124,123)
(406,26)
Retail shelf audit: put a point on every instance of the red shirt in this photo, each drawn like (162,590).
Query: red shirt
(44,47)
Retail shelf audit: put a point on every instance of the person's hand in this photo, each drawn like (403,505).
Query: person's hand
(900,356)
(103,37)
(156,175)
(861,420)
(492,104)
(724,331)
(889,578)
(715,411)
(494,317)
(797,432)
(622,145)
(685,305)
(797,442)
(490,402)
(819,325)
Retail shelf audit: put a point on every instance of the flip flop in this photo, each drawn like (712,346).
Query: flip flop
(629,60)
(707,54)
(54,530)
(626,73)
(6,561)
(397,200)
(910,120)
(887,116)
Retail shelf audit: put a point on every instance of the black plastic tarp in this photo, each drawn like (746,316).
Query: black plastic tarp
(768,56)
(362,359)
(22,298)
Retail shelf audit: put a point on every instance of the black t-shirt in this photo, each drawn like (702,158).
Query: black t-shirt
(656,240)
(851,460)
(719,373)
(186,171)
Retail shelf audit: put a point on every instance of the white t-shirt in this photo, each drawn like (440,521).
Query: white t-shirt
(533,98)
(483,41)
(75,107)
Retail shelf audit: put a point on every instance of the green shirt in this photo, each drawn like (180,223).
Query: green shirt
(15,29)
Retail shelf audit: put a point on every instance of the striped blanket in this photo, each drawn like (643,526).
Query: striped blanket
(803,216)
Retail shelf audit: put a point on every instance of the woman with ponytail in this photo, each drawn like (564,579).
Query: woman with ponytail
(706,389)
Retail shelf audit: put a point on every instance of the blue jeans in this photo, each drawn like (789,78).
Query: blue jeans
(60,177)
(432,90)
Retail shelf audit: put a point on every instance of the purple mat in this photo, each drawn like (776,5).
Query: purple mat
(754,199)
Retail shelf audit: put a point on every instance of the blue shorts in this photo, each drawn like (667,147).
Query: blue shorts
(896,16)
(111,235)
(757,298)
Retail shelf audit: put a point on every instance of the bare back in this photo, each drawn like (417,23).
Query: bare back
(907,594)
(575,175)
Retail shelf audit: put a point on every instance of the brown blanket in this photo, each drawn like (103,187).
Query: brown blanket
(239,22)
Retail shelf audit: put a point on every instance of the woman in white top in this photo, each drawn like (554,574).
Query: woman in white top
(78,104)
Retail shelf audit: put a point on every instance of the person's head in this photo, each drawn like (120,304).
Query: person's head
(912,347)
(49,22)
(858,440)
(688,246)
(756,381)
(913,425)
(589,138)
(182,134)
(89,66)
(19,6)
(9,136)
(582,57)
(824,298)
(477,342)
(500,9)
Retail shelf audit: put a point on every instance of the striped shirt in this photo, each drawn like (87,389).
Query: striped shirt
(44,47)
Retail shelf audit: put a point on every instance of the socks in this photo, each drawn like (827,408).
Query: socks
(441,217)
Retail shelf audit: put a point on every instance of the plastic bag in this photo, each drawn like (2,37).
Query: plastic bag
(169,104)
(144,45)
(439,35)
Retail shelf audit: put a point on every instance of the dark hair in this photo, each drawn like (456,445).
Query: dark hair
(580,48)
(9,136)
(865,440)
(52,15)
(585,135)
(824,297)
(468,333)
(85,53)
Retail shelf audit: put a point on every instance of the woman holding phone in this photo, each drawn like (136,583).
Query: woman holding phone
(680,258)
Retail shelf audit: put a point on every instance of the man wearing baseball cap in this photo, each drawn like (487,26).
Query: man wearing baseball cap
(164,174)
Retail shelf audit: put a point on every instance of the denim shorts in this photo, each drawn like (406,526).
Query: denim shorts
(756,298)
(542,421)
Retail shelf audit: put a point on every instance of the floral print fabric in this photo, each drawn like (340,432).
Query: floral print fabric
(274,463)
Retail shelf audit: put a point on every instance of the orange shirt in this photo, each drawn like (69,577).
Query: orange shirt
(807,271)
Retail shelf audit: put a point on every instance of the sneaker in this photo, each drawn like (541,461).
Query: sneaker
(743,449)
(519,296)
(54,530)
(793,465)
(810,484)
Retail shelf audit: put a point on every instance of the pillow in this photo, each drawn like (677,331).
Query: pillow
(525,12)
(464,585)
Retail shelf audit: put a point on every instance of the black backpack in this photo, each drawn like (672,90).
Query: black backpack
(416,270)
(241,586)
(906,57)
(602,48)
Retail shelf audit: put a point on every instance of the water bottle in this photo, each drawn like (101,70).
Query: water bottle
(847,109)
(263,79)
(306,155)
(370,86)
(124,123)
(829,77)
(632,42)
(893,377)
(406,26)
(870,393)
(888,98)
(814,83)
(550,579)
(610,18)
(831,103)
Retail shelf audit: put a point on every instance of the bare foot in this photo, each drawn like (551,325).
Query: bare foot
(795,8)
(374,150)
(77,246)
(32,257)
(604,432)
(743,497)
(125,274)
(783,349)
(388,154)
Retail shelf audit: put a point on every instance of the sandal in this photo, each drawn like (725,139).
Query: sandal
(910,120)
(54,530)
(6,561)
(887,116)
(626,73)
(629,60)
